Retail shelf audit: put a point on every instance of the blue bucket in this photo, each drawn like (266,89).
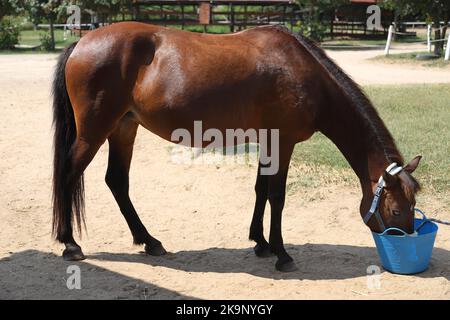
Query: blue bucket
(407,253)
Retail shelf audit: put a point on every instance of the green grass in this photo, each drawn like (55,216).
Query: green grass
(24,51)
(209,29)
(355,42)
(370,42)
(421,36)
(33,38)
(418,117)
(410,57)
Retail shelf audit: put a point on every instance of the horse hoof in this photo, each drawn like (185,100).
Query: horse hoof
(286,266)
(262,251)
(73,254)
(155,250)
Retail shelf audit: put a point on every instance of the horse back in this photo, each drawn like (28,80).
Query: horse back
(168,78)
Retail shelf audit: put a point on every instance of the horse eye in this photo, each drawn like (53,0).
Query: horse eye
(396,212)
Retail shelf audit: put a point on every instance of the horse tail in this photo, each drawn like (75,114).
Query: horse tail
(68,197)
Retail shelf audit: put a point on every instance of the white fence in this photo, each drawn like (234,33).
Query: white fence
(429,41)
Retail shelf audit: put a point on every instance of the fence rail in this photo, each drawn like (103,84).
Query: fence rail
(428,42)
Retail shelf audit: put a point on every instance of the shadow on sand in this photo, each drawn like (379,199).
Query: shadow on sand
(314,261)
(33,274)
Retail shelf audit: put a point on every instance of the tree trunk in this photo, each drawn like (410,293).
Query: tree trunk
(52,33)
(110,17)
(438,46)
(396,18)
(311,11)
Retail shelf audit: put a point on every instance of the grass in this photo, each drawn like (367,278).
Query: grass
(410,58)
(33,38)
(24,51)
(355,42)
(374,42)
(210,29)
(419,119)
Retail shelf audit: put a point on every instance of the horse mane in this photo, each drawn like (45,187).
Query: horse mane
(378,132)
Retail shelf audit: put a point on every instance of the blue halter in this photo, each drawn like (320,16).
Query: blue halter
(393,169)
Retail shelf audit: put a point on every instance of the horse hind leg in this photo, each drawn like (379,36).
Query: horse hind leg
(121,143)
(76,143)
(81,154)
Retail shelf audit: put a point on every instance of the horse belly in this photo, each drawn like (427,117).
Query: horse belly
(165,122)
(170,99)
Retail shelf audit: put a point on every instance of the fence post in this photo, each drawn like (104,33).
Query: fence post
(429,37)
(389,39)
(447,49)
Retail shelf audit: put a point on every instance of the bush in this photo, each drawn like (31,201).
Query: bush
(46,41)
(312,29)
(27,26)
(9,34)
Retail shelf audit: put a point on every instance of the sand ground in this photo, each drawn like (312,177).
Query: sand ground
(366,72)
(201,213)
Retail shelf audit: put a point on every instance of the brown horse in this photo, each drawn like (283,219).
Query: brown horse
(129,74)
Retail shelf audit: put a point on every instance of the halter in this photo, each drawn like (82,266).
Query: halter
(393,169)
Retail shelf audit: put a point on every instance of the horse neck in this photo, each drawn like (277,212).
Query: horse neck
(361,136)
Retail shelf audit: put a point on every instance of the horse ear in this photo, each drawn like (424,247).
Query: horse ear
(412,165)
(389,179)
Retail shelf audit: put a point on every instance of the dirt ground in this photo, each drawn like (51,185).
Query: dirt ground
(367,72)
(201,213)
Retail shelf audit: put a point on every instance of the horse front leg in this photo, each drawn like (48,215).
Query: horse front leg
(262,248)
(276,196)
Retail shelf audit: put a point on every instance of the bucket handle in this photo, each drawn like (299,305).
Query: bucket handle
(394,229)
(424,219)
(421,212)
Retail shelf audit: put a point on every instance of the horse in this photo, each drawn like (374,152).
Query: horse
(131,74)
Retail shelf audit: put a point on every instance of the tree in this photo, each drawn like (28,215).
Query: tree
(110,7)
(313,25)
(51,10)
(401,8)
(9,7)
(48,10)
(9,32)
(434,11)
